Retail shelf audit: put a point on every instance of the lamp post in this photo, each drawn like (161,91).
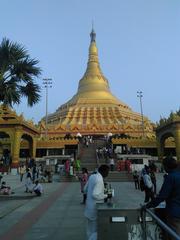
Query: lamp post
(139,95)
(47,82)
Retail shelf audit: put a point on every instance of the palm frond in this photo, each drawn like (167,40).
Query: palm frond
(10,93)
(17,72)
(32,92)
(26,69)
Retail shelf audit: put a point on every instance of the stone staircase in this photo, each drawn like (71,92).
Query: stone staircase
(64,178)
(89,160)
(88,155)
(114,176)
(117,176)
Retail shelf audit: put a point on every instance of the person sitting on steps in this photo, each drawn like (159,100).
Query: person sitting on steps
(5,190)
(38,189)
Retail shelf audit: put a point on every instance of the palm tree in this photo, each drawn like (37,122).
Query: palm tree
(17,75)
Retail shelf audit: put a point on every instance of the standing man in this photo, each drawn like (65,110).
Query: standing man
(136,180)
(170,193)
(111,162)
(95,194)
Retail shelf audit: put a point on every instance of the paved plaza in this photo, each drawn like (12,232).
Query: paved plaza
(57,214)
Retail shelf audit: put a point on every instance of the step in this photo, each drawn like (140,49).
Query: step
(112,177)
(68,179)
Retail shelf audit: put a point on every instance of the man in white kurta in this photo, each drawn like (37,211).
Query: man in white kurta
(95,194)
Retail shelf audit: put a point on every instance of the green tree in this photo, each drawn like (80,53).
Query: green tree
(17,75)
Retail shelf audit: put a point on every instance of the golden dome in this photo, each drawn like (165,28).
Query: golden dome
(94,106)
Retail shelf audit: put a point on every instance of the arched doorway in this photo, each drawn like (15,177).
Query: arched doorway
(169,131)
(26,146)
(5,151)
(168,147)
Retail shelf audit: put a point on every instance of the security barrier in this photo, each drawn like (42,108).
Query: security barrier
(115,223)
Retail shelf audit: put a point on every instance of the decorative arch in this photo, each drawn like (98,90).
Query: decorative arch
(16,127)
(29,138)
(171,129)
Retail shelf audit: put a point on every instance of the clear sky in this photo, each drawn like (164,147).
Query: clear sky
(138,43)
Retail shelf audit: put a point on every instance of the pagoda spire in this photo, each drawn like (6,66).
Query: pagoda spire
(93,79)
(93,34)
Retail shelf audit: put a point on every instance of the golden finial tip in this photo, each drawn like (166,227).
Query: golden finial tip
(93,34)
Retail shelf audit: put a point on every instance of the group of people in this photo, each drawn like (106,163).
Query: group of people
(124,165)
(36,170)
(32,174)
(87,140)
(146,181)
(32,186)
(94,189)
(104,152)
(170,190)
(69,167)
(170,193)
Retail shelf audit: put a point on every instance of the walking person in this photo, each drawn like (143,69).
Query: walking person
(136,180)
(67,167)
(28,181)
(22,171)
(95,194)
(34,172)
(170,193)
(148,185)
(153,179)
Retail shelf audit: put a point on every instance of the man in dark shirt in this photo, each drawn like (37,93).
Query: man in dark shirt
(170,193)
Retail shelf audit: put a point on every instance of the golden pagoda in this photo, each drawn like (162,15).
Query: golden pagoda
(94,109)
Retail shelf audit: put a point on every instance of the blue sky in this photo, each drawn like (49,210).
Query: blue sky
(138,43)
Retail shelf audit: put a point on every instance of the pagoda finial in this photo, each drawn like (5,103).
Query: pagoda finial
(92,24)
(93,34)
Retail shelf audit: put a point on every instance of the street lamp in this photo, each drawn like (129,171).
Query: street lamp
(47,82)
(139,95)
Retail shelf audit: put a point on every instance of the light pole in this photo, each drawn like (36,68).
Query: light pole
(139,95)
(47,82)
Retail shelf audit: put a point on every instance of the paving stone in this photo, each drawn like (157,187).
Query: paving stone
(57,214)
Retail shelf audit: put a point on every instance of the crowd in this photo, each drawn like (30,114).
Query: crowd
(30,174)
(146,180)
(95,191)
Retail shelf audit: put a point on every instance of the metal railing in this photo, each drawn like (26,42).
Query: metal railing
(114,222)
(169,231)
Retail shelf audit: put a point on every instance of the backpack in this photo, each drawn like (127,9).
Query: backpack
(142,185)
